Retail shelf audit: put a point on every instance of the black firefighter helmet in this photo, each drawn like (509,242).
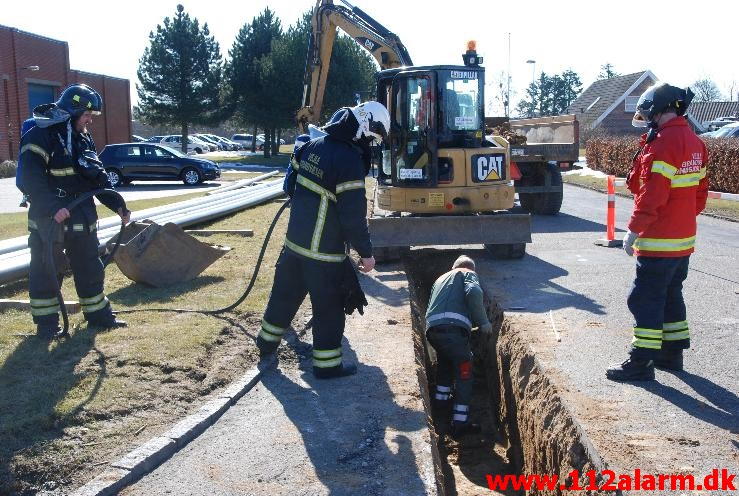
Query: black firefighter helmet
(80,98)
(659,98)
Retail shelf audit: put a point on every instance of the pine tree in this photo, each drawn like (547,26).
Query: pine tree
(179,75)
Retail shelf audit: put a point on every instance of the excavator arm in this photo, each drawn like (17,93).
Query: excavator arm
(383,45)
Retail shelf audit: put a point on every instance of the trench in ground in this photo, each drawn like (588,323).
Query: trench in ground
(527,427)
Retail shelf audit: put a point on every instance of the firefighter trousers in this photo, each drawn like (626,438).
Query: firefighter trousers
(81,249)
(656,301)
(296,277)
(454,367)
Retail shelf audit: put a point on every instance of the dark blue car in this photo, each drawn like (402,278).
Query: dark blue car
(128,162)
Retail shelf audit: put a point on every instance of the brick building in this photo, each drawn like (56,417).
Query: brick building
(35,70)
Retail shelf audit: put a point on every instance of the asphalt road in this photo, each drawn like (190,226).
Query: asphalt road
(687,420)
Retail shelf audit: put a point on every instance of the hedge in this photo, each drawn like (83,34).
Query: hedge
(613,155)
(7,169)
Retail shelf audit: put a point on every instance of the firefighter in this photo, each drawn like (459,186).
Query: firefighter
(668,179)
(328,211)
(59,162)
(454,308)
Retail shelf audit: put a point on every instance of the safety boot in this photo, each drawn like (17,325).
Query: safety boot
(48,332)
(669,360)
(266,348)
(633,369)
(107,325)
(461,429)
(343,370)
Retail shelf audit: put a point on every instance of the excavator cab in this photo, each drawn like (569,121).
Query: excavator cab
(435,159)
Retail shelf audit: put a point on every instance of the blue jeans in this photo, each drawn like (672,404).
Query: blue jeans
(656,301)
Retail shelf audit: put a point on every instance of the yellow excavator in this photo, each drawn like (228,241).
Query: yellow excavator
(439,181)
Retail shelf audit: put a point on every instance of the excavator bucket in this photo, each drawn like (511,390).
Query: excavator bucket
(162,255)
(493,231)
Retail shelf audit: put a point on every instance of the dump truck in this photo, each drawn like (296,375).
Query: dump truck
(439,182)
(540,148)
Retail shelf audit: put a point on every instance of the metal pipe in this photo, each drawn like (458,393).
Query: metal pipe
(14,265)
(241,183)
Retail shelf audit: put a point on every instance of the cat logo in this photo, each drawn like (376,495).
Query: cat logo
(488,167)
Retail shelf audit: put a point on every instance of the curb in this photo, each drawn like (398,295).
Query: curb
(142,460)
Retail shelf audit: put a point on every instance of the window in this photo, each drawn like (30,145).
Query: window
(153,151)
(129,151)
(630,103)
(38,94)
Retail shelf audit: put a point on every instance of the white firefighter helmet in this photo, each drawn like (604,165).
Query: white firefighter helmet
(374,121)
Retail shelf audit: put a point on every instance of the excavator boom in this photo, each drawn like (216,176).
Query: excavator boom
(381,43)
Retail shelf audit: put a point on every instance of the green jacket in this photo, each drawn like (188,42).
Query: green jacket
(456,299)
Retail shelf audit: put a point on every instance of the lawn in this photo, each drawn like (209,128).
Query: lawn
(69,406)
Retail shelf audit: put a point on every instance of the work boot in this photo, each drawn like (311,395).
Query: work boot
(48,332)
(633,369)
(266,348)
(342,370)
(107,324)
(461,429)
(669,360)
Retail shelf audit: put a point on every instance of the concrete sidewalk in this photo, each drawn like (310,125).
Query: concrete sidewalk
(293,435)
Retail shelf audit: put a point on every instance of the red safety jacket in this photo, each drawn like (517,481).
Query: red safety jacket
(668,179)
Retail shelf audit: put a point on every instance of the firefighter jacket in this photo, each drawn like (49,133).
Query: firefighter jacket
(328,207)
(668,179)
(54,175)
(456,299)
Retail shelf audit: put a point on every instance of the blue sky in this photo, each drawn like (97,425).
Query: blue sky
(109,37)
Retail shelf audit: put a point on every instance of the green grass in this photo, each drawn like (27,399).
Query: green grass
(16,223)
(721,208)
(78,401)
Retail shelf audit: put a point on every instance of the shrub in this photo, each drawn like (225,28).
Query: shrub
(613,155)
(7,169)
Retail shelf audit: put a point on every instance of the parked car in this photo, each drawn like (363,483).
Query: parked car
(261,137)
(155,139)
(717,124)
(136,138)
(209,140)
(230,145)
(246,141)
(727,131)
(128,162)
(193,145)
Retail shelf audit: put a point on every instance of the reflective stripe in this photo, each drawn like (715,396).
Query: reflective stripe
(647,343)
(461,408)
(268,336)
(331,362)
(94,307)
(41,311)
(30,147)
(657,244)
(273,329)
(460,417)
(315,187)
(675,326)
(688,180)
(69,171)
(441,396)
(92,299)
(327,358)
(647,333)
(320,222)
(32,224)
(315,255)
(676,335)
(443,389)
(449,315)
(43,302)
(295,163)
(349,185)
(664,169)
(324,354)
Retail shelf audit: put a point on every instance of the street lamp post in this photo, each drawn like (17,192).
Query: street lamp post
(533,70)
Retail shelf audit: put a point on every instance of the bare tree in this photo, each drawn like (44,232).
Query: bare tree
(732,88)
(706,91)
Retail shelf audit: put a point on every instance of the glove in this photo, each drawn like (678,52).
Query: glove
(629,240)
(351,291)
(486,329)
